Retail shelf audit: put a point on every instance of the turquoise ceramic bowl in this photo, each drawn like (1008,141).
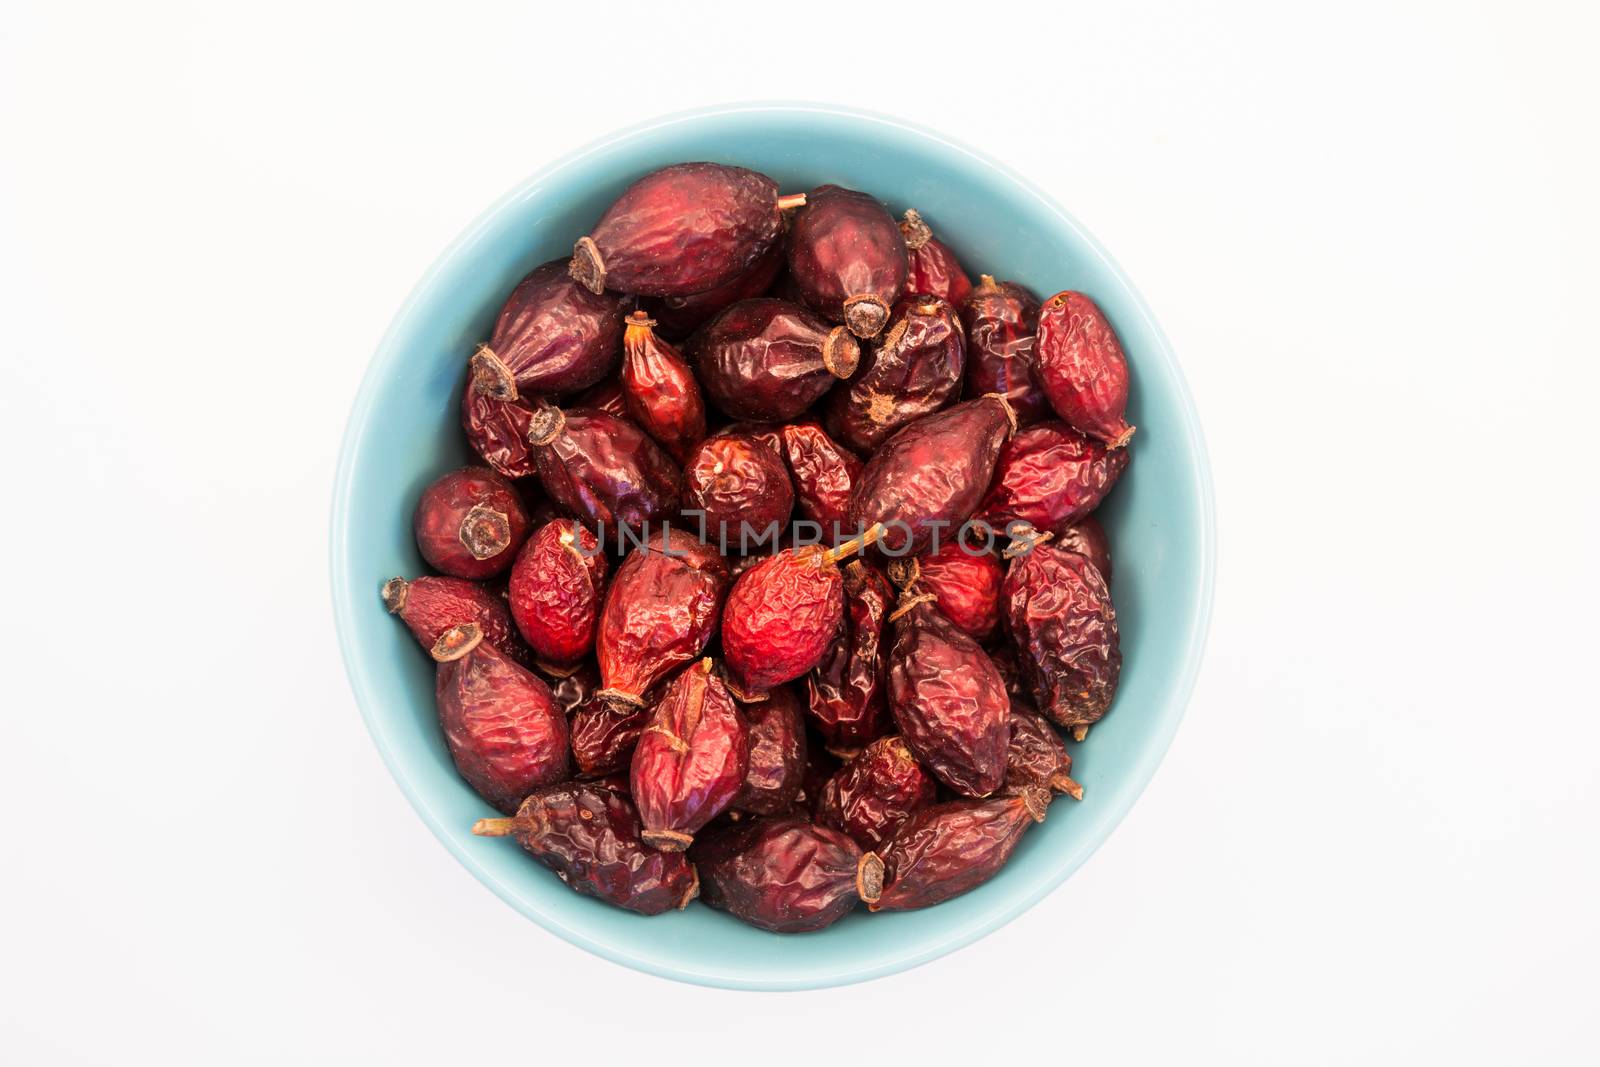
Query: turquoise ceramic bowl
(403,432)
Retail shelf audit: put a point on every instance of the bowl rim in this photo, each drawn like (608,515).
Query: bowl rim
(344,608)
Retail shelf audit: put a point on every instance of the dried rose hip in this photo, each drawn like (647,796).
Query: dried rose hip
(947,698)
(848,258)
(1064,628)
(504,730)
(606,397)
(679,316)
(1037,756)
(1088,539)
(496,418)
(1050,476)
(737,484)
(777,732)
(682,229)
(659,389)
(770,360)
(590,836)
(824,473)
(869,797)
(470,523)
(785,874)
(1001,320)
(555,336)
(914,372)
(557,585)
(965,581)
(604,734)
(1080,365)
(659,613)
(691,759)
(932,266)
(429,606)
(602,469)
(949,849)
(930,476)
(782,614)
(574,689)
(846,691)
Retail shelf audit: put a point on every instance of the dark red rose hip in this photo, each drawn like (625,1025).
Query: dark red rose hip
(770,360)
(1037,756)
(691,759)
(682,229)
(847,258)
(1080,365)
(1088,539)
(602,469)
(846,691)
(740,489)
(915,371)
(606,397)
(949,849)
(777,732)
(575,688)
(1001,320)
(869,797)
(659,390)
(1050,476)
(429,606)
(590,836)
(557,586)
(496,419)
(604,734)
(679,316)
(824,472)
(932,266)
(470,523)
(965,580)
(785,874)
(555,336)
(503,728)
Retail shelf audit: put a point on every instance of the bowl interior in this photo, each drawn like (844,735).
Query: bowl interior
(404,432)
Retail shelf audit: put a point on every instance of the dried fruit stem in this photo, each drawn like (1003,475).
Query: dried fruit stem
(1080,733)
(904,572)
(793,200)
(457,642)
(485,532)
(915,231)
(395,591)
(588,267)
(909,603)
(841,353)
(855,544)
(1026,541)
(546,425)
(869,877)
(617,696)
(667,840)
(504,827)
(1062,782)
(491,376)
(866,314)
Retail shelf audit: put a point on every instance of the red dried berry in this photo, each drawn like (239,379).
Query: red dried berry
(785,874)
(824,473)
(470,523)
(1050,476)
(496,418)
(604,734)
(950,849)
(947,698)
(847,258)
(1037,756)
(1064,628)
(1001,321)
(557,586)
(770,360)
(590,836)
(1088,539)
(965,581)
(930,476)
(1081,368)
(869,797)
(606,397)
(782,614)
(502,726)
(429,606)
(555,336)
(679,316)
(915,371)
(660,611)
(602,469)
(777,732)
(846,691)
(932,267)
(691,759)
(659,389)
(740,489)
(682,229)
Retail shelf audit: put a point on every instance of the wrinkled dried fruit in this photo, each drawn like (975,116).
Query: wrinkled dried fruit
(847,258)
(682,229)
(590,836)
(846,694)
(947,698)
(949,849)
(659,389)
(557,586)
(737,484)
(575,689)
(932,267)
(602,469)
(679,316)
(777,732)
(915,371)
(660,611)
(555,336)
(1050,476)
(1001,321)
(503,728)
(606,397)
(930,476)
(824,472)
(470,523)
(782,614)
(1080,365)
(785,874)
(604,734)
(429,606)
(496,419)
(691,759)
(1088,538)
(869,797)
(1037,756)
(965,581)
(1064,628)
(770,360)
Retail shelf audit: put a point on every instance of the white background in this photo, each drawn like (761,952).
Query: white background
(1370,233)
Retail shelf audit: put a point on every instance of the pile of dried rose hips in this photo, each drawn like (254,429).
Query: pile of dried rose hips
(662,702)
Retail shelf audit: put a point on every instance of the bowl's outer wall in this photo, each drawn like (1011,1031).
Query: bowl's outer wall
(404,431)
